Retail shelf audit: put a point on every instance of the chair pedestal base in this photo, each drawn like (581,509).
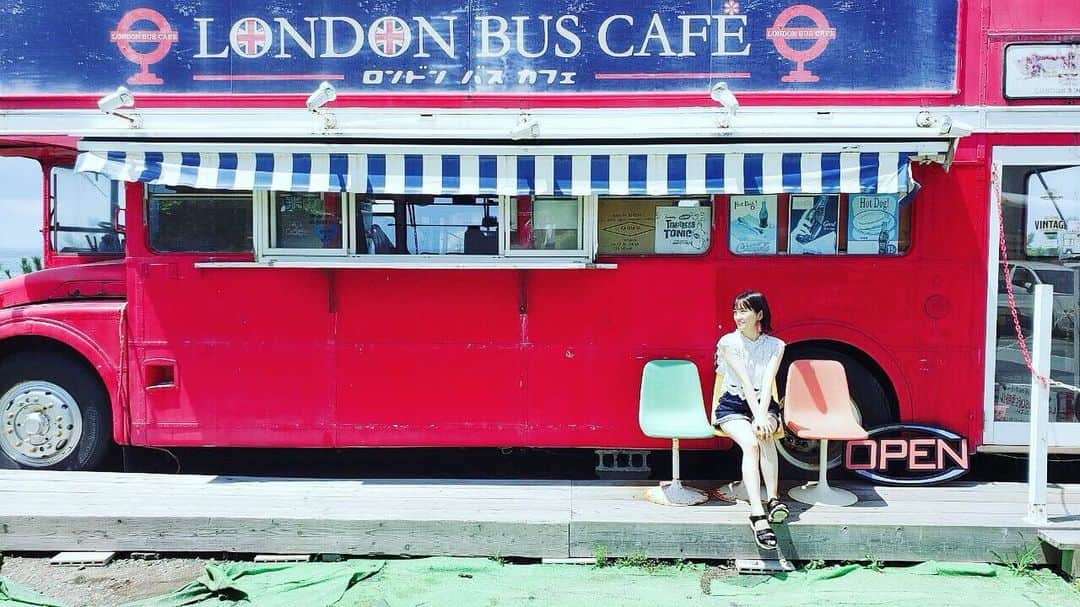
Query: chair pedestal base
(818,494)
(737,490)
(674,493)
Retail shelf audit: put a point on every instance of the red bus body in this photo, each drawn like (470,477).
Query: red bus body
(349,357)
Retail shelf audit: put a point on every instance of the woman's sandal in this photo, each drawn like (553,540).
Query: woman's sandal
(778,511)
(764,538)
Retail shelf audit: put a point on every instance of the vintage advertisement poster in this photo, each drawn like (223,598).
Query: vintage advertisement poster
(1053,200)
(627,226)
(812,224)
(752,227)
(873,223)
(682,230)
(1041,71)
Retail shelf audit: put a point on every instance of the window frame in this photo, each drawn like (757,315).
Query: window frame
(266,223)
(1010,433)
(116,217)
(586,228)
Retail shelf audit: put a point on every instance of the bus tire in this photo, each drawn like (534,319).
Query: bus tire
(871,400)
(54,413)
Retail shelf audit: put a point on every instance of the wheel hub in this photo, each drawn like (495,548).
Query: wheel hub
(40,423)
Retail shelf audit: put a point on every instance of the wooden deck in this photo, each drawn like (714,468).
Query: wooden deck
(55,511)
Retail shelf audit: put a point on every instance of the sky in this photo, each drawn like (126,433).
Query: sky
(20,204)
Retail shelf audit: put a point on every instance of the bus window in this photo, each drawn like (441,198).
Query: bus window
(307,221)
(1041,212)
(546,223)
(427,225)
(186,220)
(86,213)
(653,225)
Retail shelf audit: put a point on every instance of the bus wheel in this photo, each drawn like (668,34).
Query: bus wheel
(54,413)
(869,400)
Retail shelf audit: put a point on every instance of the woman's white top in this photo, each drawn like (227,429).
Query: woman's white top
(754,355)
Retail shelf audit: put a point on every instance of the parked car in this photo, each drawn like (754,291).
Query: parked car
(1024,276)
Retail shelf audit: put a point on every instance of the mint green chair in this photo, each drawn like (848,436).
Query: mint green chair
(672,406)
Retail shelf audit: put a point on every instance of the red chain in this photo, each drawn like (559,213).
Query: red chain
(1008,283)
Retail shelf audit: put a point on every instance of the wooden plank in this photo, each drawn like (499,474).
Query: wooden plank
(507,510)
(1062,539)
(802,542)
(169,534)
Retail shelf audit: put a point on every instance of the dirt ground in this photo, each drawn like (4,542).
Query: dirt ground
(122,581)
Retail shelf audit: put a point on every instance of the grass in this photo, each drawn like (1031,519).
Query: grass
(639,561)
(601,557)
(1020,562)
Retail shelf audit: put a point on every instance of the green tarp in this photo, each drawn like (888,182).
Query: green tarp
(287,585)
(937,584)
(455,582)
(17,596)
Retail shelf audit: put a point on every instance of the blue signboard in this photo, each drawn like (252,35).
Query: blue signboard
(477,46)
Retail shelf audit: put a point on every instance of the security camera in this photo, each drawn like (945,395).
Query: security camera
(322,95)
(119,98)
(526,128)
(721,94)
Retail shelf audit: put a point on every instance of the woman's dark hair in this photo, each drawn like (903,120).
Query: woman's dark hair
(755,300)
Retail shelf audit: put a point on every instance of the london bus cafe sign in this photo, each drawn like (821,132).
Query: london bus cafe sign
(477,47)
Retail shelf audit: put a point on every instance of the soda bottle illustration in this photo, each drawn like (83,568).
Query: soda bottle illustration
(763,215)
(815,221)
(883,239)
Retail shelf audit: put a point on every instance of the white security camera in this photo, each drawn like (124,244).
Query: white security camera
(119,98)
(526,128)
(721,94)
(322,95)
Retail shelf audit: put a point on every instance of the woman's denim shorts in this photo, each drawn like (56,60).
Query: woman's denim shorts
(729,407)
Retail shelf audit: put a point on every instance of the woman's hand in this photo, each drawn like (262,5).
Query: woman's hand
(762,428)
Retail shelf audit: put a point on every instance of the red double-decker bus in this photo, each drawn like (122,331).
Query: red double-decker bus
(485,220)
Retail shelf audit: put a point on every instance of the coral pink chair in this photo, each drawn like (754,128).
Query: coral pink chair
(817,405)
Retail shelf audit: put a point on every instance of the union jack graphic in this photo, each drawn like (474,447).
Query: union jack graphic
(390,36)
(251,37)
(731,7)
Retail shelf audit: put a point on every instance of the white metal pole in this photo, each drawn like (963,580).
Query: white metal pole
(1040,403)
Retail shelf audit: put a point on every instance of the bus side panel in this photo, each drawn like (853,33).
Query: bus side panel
(593,331)
(250,350)
(429,357)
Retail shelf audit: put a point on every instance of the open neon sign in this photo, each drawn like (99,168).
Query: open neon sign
(908,454)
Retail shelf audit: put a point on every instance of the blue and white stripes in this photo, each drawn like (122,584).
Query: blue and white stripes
(655,174)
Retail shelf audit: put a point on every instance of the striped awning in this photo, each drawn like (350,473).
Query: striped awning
(657,170)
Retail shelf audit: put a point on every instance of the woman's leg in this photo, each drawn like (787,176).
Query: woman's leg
(742,433)
(770,467)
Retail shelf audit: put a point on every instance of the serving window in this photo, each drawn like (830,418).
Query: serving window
(819,224)
(292,226)
(427,225)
